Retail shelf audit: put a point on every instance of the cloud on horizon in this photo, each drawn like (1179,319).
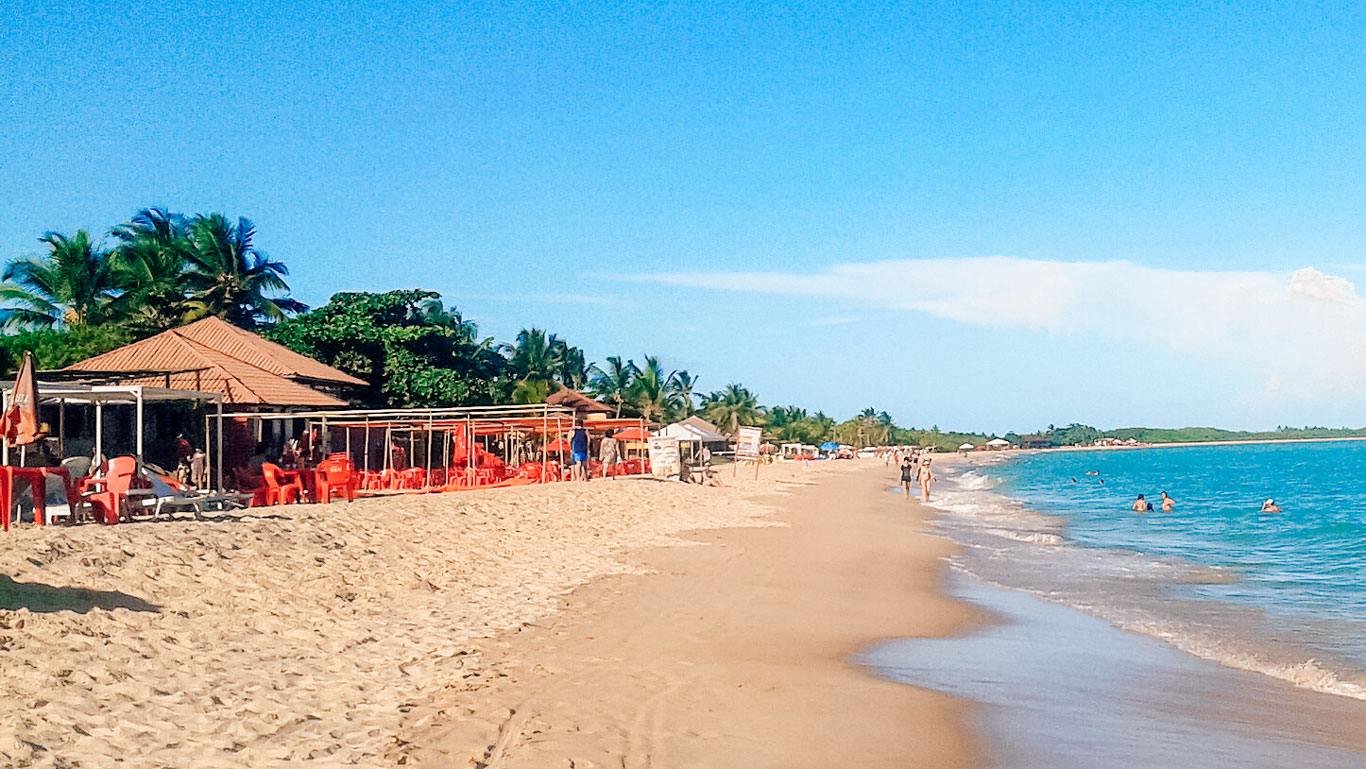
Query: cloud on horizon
(1305,329)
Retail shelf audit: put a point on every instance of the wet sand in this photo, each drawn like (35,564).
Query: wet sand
(1063,690)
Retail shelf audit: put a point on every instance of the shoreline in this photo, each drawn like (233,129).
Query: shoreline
(1078,692)
(1175,444)
(742,652)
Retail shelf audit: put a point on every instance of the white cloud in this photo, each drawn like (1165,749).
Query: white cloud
(1306,330)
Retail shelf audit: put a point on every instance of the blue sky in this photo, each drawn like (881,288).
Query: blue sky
(802,198)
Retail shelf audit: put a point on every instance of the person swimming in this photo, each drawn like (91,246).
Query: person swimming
(1142,505)
(1167,503)
(1270,506)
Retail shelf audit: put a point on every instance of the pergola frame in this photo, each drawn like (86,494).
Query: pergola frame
(99,396)
(472,421)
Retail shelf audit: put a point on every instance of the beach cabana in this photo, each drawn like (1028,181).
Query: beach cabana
(998,443)
(212,355)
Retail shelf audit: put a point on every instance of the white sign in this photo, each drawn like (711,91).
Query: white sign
(747,443)
(664,459)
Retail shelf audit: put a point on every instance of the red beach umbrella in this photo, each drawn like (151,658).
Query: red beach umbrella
(632,434)
(558,445)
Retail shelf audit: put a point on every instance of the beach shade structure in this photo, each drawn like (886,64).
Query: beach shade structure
(632,434)
(998,443)
(559,444)
(829,446)
(966,447)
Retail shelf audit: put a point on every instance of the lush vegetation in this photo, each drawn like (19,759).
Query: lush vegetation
(82,296)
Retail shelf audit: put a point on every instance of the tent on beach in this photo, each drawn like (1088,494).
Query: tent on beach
(998,443)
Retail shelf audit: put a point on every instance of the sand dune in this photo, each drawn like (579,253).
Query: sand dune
(301,633)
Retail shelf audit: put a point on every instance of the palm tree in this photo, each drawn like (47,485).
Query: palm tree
(612,383)
(650,390)
(149,267)
(433,312)
(682,385)
(68,286)
(532,364)
(570,366)
(230,278)
(731,407)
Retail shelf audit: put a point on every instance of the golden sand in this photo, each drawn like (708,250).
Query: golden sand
(296,634)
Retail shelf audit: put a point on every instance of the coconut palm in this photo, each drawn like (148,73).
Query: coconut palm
(532,365)
(612,383)
(230,278)
(70,285)
(650,390)
(730,407)
(149,267)
(570,366)
(433,312)
(682,385)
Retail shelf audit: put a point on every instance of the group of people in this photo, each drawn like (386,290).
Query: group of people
(915,469)
(609,454)
(1142,505)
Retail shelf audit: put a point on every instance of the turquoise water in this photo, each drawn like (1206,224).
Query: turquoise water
(1281,594)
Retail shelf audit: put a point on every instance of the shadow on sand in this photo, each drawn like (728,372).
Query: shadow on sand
(38,597)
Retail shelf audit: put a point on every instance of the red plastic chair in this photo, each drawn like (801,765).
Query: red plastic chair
(279,489)
(108,495)
(336,476)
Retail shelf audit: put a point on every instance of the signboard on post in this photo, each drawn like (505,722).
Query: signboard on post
(747,446)
(747,442)
(664,458)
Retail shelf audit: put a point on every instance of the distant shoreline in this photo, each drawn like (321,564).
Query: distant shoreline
(1175,444)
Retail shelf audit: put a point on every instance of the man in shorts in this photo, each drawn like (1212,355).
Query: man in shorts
(578,448)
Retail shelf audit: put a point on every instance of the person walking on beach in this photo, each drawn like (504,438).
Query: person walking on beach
(1167,503)
(578,448)
(908,474)
(926,479)
(607,454)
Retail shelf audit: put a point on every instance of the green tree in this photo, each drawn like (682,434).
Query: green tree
(55,348)
(392,342)
(649,392)
(731,407)
(70,285)
(682,386)
(612,383)
(149,267)
(571,369)
(230,278)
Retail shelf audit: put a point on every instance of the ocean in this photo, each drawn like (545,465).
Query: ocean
(1282,595)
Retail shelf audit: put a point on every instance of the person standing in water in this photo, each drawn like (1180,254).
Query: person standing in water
(1142,505)
(908,473)
(926,479)
(1167,503)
